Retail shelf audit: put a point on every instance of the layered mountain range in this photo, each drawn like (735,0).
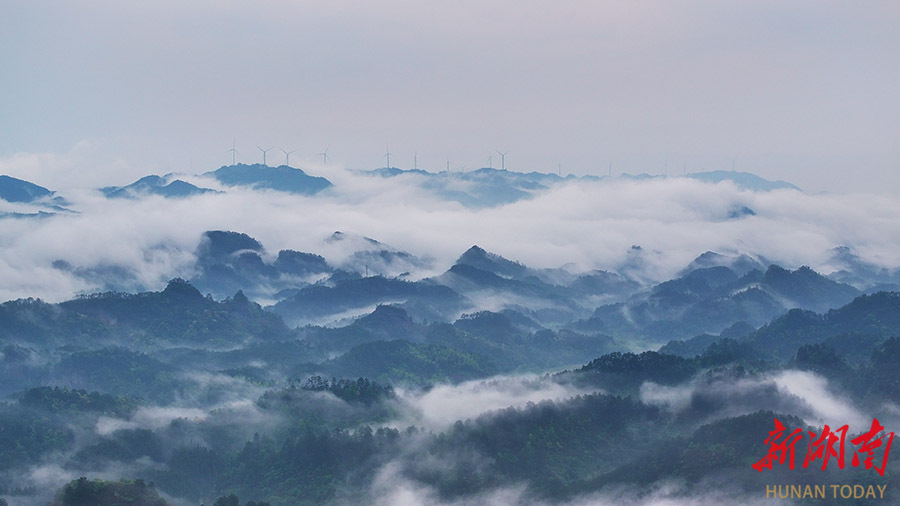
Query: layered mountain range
(495,314)
(486,187)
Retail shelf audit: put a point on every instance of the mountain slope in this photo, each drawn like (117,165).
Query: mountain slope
(18,190)
(155,185)
(262,177)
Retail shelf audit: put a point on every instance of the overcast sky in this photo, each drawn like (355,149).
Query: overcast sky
(102,92)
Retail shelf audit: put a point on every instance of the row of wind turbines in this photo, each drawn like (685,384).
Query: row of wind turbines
(287,154)
(324,154)
(387,156)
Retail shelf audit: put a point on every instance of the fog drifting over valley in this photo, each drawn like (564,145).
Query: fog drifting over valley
(384,360)
(576,224)
(435,409)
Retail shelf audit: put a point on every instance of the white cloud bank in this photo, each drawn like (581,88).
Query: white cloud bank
(441,406)
(148,417)
(391,488)
(800,393)
(585,225)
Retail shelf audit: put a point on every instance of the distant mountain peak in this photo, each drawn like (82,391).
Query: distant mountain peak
(338,236)
(744,180)
(164,186)
(478,257)
(386,316)
(18,190)
(263,177)
(739,263)
(240,298)
(216,245)
(475,250)
(180,288)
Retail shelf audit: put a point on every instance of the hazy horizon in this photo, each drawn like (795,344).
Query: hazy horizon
(100,92)
(265,337)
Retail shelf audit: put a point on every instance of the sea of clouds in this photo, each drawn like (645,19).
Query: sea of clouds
(578,224)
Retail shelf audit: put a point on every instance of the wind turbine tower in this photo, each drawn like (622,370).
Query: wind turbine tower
(287,156)
(502,159)
(387,155)
(324,155)
(233,151)
(264,151)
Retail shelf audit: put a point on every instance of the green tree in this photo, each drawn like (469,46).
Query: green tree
(228,500)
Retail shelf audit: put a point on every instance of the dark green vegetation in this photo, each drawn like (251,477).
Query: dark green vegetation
(323,441)
(179,315)
(176,397)
(137,344)
(84,492)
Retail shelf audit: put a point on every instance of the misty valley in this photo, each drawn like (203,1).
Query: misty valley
(458,253)
(208,367)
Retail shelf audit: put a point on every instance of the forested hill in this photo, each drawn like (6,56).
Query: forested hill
(199,400)
(178,315)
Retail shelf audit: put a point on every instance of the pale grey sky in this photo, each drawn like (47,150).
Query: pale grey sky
(103,91)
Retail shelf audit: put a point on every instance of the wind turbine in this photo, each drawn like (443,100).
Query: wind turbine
(416,160)
(264,151)
(490,161)
(502,159)
(387,155)
(287,156)
(324,155)
(233,151)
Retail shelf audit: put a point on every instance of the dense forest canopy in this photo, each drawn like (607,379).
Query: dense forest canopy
(175,397)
